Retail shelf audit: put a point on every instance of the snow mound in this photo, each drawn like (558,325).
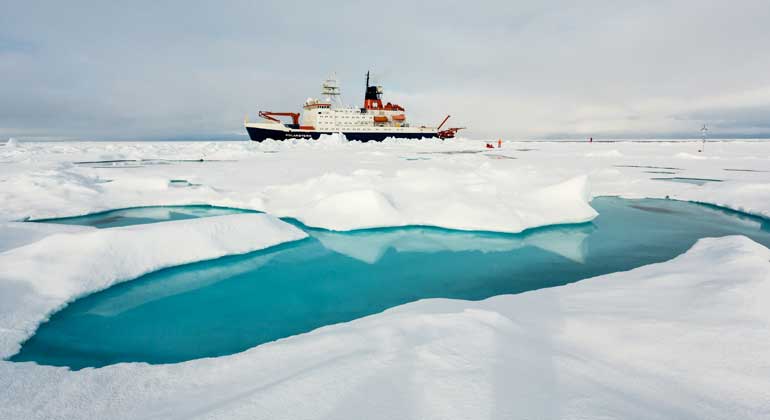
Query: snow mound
(56,187)
(350,210)
(333,139)
(12,142)
(39,278)
(479,200)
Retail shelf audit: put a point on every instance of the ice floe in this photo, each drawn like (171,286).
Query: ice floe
(474,200)
(41,277)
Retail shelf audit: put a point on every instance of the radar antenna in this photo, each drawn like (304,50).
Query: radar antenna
(331,90)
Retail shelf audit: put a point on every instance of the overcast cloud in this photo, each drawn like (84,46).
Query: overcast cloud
(178,69)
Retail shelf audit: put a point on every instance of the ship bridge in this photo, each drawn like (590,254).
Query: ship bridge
(329,114)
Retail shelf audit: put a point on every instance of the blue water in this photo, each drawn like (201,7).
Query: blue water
(230,304)
(143,215)
(694,181)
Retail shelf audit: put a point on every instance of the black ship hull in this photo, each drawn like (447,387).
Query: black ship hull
(262,134)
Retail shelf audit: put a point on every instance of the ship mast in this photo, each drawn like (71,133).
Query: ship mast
(331,90)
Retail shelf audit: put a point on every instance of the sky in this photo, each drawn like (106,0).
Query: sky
(513,69)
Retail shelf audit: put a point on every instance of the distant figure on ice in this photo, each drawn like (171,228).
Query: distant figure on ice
(490,146)
(703,132)
(499,143)
(591,140)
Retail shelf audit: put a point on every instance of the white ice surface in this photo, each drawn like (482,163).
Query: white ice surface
(16,234)
(40,278)
(339,185)
(484,199)
(681,339)
(329,184)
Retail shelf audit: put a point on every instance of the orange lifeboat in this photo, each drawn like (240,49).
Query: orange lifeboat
(380,119)
(399,117)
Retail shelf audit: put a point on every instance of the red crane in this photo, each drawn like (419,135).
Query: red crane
(449,132)
(269,116)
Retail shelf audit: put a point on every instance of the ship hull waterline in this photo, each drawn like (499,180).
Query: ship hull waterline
(261,134)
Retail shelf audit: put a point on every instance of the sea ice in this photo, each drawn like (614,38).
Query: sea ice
(615,346)
(681,339)
(459,187)
(42,276)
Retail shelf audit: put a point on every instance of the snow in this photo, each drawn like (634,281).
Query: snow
(615,346)
(477,200)
(41,277)
(682,339)
(317,184)
(455,184)
(16,234)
